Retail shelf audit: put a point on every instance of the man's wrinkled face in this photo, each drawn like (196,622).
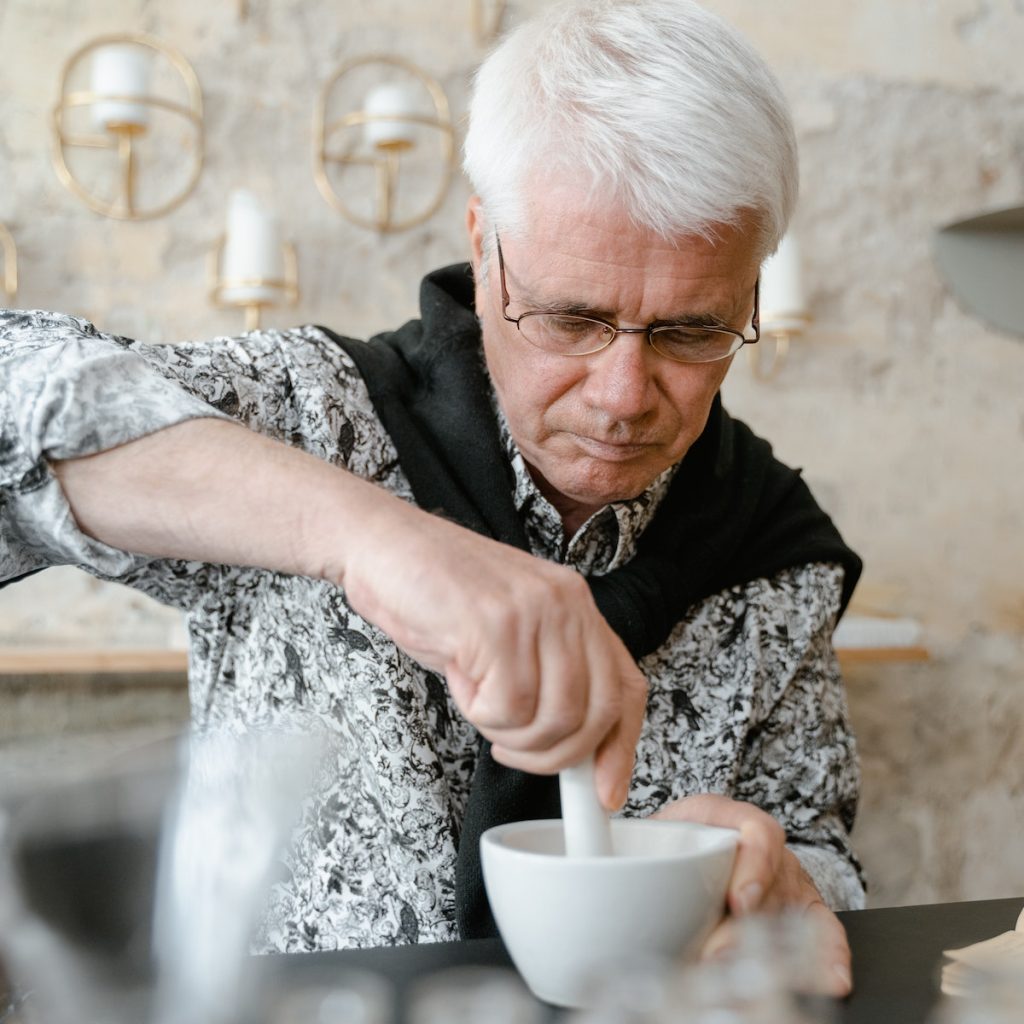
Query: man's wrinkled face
(601,427)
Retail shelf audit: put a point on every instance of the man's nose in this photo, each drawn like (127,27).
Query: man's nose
(620,379)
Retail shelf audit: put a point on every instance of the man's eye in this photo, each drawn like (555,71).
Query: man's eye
(688,335)
(693,339)
(572,325)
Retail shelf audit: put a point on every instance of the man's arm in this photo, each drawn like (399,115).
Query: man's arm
(796,788)
(144,478)
(528,658)
(108,461)
(801,758)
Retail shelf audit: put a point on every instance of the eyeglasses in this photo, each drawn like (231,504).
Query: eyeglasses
(568,334)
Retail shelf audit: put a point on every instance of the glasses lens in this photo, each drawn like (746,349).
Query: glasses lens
(695,345)
(566,335)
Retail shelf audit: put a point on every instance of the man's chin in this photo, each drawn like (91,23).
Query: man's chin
(593,483)
(607,488)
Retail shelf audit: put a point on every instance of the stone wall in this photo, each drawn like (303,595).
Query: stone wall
(905,412)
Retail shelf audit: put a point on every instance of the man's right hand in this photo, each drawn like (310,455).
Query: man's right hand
(529,659)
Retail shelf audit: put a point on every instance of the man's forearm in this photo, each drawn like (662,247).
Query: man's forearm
(213,491)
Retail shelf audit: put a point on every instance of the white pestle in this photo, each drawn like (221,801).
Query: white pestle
(584,819)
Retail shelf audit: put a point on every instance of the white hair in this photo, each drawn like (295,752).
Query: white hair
(657,105)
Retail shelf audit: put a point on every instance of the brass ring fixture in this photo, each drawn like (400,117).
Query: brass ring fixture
(338,144)
(767,357)
(122,137)
(486,28)
(288,286)
(10,276)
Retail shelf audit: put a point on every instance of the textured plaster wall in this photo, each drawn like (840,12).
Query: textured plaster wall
(905,412)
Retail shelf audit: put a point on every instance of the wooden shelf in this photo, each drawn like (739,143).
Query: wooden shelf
(864,655)
(42,661)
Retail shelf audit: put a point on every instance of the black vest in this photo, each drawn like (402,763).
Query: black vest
(732,514)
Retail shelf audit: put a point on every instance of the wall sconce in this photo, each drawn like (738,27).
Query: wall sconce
(10,266)
(784,312)
(389,125)
(120,103)
(251,268)
(485,17)
(982,260)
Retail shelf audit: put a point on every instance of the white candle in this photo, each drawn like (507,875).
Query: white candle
(391,101)
(121,69)
(252,252)
(783,303)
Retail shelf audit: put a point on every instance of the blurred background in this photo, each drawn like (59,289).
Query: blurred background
(903,405)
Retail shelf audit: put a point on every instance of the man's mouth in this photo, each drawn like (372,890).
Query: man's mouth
(612,451)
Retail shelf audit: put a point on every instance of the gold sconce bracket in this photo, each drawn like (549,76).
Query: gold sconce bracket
(338,144)
(769,354)
(286,287)
(123,137)
(486,24)
(10,266)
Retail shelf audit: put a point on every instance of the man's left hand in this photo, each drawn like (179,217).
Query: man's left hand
(767,878)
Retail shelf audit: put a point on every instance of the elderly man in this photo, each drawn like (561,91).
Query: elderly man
(515,532)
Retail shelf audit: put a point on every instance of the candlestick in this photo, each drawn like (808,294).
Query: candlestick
(783,302)
(380,128)
(389,103)
(784,313)
(252,271)
(121,70)
(119,100)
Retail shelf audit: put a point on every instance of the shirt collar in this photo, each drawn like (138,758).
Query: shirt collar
(609,537)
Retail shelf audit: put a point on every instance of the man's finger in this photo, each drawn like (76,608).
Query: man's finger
(834,951)
(721,941)
(758,853)
(564,694)
(762,841)
(616,756)
(508,669)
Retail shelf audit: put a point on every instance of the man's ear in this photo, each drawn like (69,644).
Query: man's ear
(475,230)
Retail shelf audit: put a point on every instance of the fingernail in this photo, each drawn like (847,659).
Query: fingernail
(613,800)
(717,955)
(842,972)
(750,897)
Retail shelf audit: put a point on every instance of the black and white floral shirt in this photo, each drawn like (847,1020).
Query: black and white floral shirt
(745,694)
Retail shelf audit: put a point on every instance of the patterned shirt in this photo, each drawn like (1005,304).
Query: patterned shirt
(745,696)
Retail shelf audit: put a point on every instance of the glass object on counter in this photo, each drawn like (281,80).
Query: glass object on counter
(993,997)
(767,975)
(129,889)
(353,997)
(473,995)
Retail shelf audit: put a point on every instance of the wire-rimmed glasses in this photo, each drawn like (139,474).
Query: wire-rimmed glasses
(570,334)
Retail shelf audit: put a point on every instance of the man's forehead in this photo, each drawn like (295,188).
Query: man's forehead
(587,269)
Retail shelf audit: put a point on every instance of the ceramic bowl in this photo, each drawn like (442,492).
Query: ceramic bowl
(567,921)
